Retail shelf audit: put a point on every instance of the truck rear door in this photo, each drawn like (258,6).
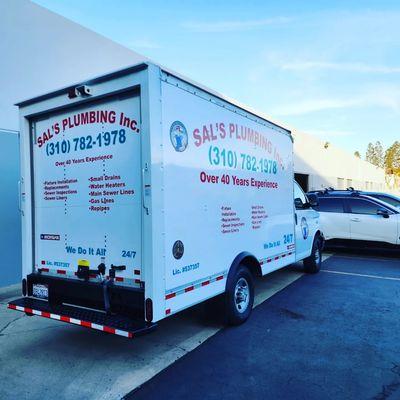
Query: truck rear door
(87,188)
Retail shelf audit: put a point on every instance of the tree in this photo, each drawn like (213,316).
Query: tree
(392,159)
(379,154)
(369,155)
(375,154)
(357,154)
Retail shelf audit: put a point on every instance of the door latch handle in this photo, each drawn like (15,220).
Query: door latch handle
(21,196)
(355,219)
(144,187)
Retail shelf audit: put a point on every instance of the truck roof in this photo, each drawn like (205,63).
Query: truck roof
(143,65)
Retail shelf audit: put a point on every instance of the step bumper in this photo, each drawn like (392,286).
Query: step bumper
(114,324)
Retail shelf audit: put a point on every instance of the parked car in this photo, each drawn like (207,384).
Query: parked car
(386,197)
(349,214)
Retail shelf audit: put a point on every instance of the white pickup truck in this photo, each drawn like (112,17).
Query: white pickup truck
(143,194)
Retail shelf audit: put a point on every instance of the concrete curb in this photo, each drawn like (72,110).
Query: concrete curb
(8,292)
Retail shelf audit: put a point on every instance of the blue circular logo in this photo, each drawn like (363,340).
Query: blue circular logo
(304,228)
(178,135)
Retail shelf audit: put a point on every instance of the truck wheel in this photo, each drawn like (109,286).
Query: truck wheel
(239,297)
(312,264)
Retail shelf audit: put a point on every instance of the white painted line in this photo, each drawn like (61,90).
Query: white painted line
(388,278)
(325,256)
(369,258)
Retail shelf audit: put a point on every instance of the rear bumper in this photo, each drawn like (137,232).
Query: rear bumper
(124,300)
(115,324)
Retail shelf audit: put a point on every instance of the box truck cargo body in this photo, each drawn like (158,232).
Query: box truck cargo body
(143,194)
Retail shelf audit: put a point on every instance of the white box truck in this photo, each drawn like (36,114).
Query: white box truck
(143,194)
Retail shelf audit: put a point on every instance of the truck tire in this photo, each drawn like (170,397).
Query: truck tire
(239,296)
(312,264)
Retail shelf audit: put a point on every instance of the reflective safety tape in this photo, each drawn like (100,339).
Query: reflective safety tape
(92,276)
(198,284)
(74,321)
(275,258)
(194,285)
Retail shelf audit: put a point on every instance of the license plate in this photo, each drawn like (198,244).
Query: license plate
(40,291)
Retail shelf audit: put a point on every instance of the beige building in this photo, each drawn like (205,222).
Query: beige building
(319,164)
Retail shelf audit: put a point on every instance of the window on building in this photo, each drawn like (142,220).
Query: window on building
(302,180)
(330,204)
(299,195)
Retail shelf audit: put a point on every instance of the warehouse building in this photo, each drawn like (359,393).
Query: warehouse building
(42,51)
(319,164)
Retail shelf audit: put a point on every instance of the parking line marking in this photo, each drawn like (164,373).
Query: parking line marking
(388,278)
(325,256)
(357,257)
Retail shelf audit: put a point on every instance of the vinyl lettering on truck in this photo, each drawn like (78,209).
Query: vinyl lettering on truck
(87,118)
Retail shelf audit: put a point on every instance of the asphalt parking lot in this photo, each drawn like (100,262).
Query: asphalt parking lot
(331,335)
(334,335)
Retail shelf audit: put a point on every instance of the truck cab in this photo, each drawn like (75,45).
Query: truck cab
(307,228)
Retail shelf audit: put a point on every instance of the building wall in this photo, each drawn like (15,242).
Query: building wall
(333,166)
(10,232)
(40,51)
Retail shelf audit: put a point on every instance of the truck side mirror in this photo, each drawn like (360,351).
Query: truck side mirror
(383,212)
(298,203)
(313,200)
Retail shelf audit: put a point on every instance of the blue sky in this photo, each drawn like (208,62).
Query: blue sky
(329,68)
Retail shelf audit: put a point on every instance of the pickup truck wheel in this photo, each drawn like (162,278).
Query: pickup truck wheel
(312,264)
(239,297)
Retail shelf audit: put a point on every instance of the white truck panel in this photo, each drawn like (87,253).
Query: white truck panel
(214,158)
(87,180)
